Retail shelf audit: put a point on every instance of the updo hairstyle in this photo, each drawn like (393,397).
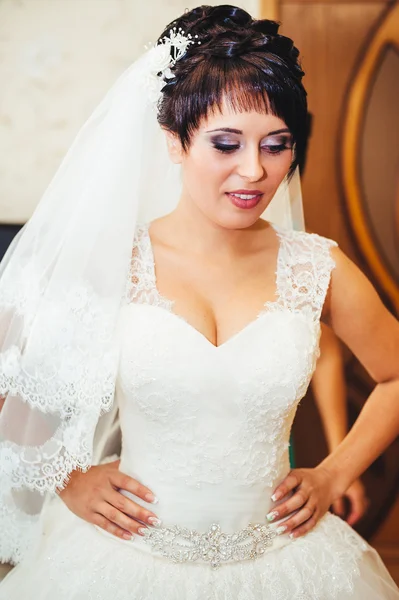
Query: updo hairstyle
(241,59)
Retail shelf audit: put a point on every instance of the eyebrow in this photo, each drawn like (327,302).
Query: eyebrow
(239,132)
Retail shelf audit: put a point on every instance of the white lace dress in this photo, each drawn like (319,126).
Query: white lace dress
(207,429)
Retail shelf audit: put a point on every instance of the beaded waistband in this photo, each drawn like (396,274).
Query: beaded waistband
(215,547)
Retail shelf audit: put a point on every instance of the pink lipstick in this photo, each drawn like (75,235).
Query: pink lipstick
(245,198)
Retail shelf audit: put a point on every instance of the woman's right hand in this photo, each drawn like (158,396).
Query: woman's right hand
(95,497)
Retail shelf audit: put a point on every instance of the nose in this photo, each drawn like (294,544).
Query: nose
(251,167)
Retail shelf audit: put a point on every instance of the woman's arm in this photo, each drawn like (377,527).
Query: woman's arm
(360,319)
(330,394)
(371,332)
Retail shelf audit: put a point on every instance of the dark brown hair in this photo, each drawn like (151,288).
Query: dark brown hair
(239,58)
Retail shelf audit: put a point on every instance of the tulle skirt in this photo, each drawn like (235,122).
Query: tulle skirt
(76,561)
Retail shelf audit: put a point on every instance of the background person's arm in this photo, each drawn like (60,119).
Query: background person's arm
(330,394)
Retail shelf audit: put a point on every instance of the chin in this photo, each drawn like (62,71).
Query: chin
(238,219)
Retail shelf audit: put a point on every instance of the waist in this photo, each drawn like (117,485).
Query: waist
(196,505)
(231,508)
(210,523)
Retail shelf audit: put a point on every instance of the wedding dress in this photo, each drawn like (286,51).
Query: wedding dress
(207,429)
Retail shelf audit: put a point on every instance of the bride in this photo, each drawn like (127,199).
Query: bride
(175,299)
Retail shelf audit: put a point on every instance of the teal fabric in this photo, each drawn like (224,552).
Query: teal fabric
(291,452)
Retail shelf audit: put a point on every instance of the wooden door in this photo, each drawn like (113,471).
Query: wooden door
(350,53)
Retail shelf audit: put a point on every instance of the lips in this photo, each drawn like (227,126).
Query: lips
(247,192)
(245,198)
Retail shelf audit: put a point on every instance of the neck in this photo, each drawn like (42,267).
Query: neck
(193,229)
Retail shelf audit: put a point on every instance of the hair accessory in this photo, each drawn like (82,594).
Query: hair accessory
(163,56)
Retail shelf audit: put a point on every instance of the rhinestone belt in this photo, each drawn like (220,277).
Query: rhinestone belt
(180,544)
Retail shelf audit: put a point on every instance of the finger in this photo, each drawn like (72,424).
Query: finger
(339,507)
(101,521)
(115,516)
(292,481)
(285,508)
(353,517)
(129,511)
(305,527)
(122,521)
(303,515)
(358,508)
(124,482)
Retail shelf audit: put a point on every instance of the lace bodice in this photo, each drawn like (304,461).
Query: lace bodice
(195,416)
(207,429)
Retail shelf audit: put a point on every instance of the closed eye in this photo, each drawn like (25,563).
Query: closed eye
(270,149)
(275,148)
(226,148)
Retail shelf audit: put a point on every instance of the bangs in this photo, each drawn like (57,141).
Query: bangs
(259,82)
(242,84)
(213,83)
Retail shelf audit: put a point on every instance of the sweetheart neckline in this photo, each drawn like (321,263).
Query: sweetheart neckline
(267,310)
(267,306)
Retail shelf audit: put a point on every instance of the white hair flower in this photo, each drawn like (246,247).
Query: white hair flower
(162,57)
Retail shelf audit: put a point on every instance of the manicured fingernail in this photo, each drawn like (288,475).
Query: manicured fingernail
(127,536)
(292,536)
(151,498)
(281,529)
(142,530)
(276,496)
(154,521)
(272,515)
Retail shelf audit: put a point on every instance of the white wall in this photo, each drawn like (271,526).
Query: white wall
(57,59)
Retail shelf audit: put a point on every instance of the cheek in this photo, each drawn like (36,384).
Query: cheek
(206,170)
(278,166)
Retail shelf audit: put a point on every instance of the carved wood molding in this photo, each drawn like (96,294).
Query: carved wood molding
(386,34)
(270,9)
(335,2)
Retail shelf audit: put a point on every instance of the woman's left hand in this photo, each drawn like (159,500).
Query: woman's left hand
(313,495)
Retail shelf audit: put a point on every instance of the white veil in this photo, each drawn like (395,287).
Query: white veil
(62,283)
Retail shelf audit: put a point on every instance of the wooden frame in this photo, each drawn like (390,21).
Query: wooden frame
(270,9)
(387,33)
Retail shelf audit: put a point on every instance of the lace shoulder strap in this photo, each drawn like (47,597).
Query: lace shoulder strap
(140,284)
(304,271)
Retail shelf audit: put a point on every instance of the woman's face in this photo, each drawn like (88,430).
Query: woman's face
(234,165)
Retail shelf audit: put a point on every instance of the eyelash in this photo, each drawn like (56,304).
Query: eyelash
(227,149)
